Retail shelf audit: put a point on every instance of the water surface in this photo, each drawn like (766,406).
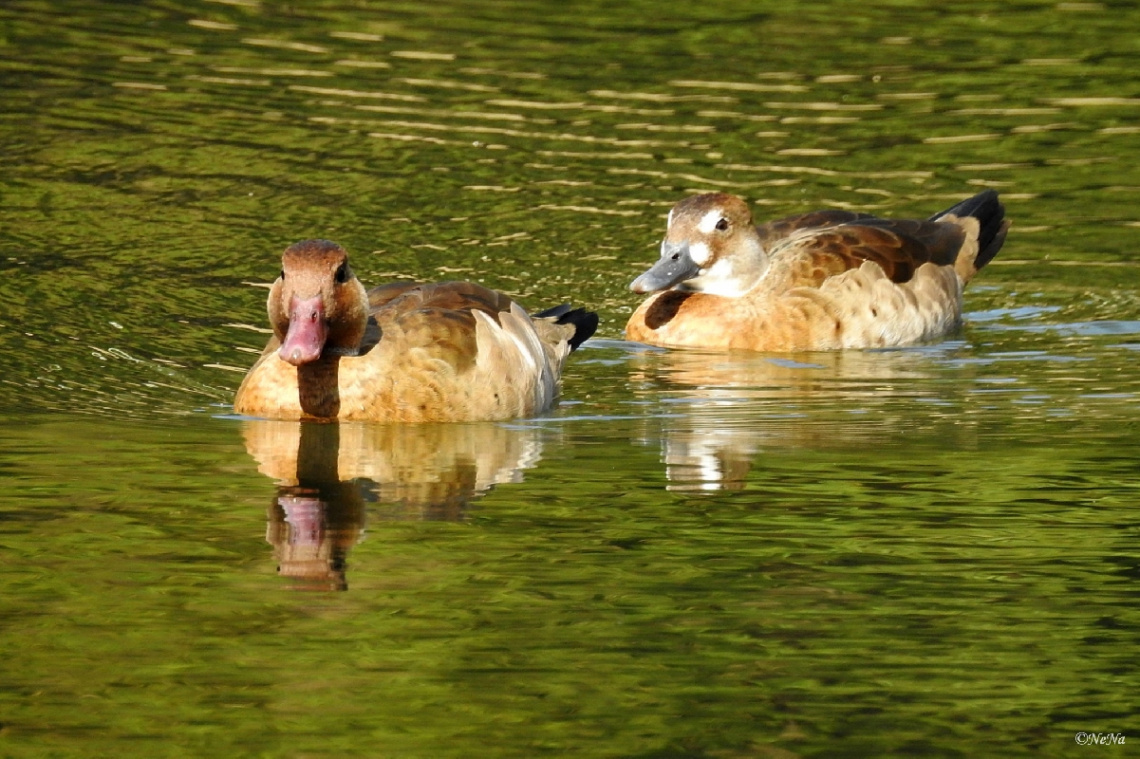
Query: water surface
(926,551)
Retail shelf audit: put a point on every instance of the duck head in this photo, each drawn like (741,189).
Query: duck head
(710,246)
(317,306)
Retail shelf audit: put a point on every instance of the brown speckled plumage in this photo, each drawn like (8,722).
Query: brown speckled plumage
(824,280)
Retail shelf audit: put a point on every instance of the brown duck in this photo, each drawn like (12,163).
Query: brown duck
(825,280)
(405,352)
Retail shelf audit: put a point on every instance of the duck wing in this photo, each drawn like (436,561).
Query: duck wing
(438,317)
(826,243)
(403,297)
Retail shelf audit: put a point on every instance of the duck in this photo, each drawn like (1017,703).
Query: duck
(818,281)
(402,352)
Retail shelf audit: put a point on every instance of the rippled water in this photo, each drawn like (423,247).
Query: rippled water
(928,551)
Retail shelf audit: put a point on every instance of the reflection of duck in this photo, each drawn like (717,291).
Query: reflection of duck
(725,409)
(708,376)
(312,529)
(446,352)
(327,472)
(433,470)
(819,281)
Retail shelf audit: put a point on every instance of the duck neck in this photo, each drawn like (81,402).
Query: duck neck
(733,276)
(318,387)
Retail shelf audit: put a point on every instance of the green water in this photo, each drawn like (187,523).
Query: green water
(921,552)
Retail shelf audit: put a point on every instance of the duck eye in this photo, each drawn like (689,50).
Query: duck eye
(722,225)
(282,274)
(342,273)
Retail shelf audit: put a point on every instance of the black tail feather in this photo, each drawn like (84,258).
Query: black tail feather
(990,213)
(585,322)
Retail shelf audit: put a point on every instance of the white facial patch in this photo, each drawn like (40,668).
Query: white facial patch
(708,222)
(719,279)
(669,220)
(700,254)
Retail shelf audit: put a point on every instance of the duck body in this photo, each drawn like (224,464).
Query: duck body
(825,280)
(406,352)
